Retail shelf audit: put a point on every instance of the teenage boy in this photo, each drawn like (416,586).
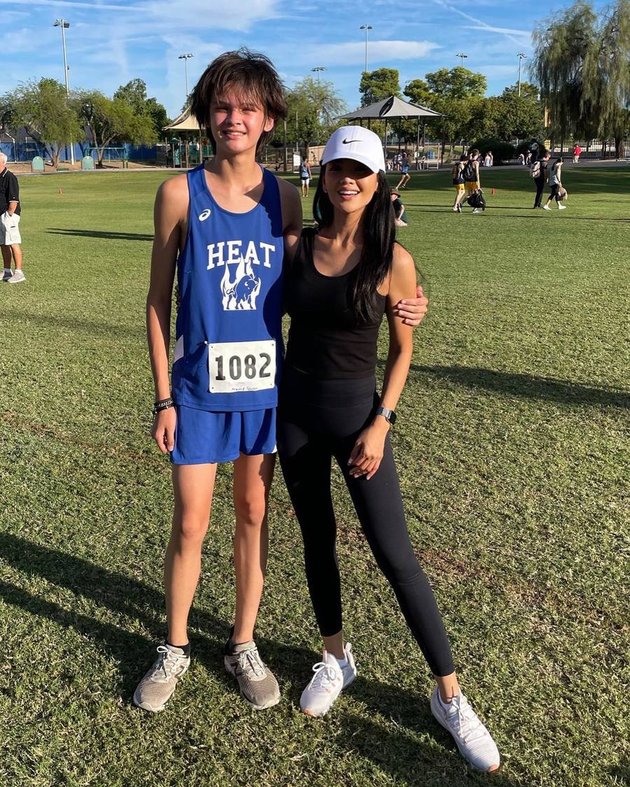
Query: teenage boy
(222,227)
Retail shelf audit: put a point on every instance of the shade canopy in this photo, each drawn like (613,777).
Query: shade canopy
(185,122)
(392,107)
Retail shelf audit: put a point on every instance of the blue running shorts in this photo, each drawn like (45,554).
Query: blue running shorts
(202,437)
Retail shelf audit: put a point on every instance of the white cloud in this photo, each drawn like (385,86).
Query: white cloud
(379,52)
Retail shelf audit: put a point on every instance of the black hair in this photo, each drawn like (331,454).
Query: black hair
(379,234)
(249,73)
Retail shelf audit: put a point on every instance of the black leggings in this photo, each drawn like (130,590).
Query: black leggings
(540,187)
(319,419)
(554,192)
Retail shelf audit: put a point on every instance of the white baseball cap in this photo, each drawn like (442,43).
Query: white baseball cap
(356,143)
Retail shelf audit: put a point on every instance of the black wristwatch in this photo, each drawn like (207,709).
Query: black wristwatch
(388,415)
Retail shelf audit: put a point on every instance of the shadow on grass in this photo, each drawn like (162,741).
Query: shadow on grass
(399,754)
(78,324)
(527,386)
(106,235)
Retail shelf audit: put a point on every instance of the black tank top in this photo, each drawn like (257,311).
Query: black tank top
(326,339)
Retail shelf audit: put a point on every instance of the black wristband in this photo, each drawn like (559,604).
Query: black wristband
(163,404)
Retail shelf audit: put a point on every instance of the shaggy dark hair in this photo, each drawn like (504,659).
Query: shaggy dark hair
(251,76)
(379,234)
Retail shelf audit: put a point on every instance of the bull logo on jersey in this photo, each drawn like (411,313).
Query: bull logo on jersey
(241,292)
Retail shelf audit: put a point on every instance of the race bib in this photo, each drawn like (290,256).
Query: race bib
(242,366)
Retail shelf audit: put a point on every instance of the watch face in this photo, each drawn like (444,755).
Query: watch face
(388,415)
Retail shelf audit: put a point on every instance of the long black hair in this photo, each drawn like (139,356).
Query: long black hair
(379,234)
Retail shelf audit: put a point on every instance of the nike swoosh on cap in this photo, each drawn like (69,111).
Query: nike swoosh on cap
(349,141)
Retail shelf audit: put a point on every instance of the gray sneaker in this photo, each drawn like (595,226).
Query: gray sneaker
(158,685)
(257,683)
(6,275)
(16,278)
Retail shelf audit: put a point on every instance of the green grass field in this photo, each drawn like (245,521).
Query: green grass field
(512,445)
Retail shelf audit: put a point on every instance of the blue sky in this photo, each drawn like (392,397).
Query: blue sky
(111,42)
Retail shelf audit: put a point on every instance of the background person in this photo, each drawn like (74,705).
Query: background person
(457,173)
(555,181)
(305,176)
(470,173)
(10,237)
(538,171)
(344,276)
(400,215)
(404,169)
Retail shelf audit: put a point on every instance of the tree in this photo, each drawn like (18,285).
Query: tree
(134,94)
(456,83)
(113,121)
(43,108)
(582,64)
(313,106)
(560,47)
(606,77)
(379,84)
(456,93)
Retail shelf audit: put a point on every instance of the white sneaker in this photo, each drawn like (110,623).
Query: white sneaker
(473,740)
(327,683)
(546,207)
(18,276)
(476,210)
(561,207)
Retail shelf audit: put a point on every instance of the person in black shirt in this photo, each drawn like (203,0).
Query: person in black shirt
(10,238)
(342,279)
(538,171)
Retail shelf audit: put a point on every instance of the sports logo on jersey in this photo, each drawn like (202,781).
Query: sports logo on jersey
(241,292)
(204,214)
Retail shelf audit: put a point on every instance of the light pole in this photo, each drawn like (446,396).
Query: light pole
(64,26)
(367,28)
(520,56)
(186,58)
(462,57)
(317,70)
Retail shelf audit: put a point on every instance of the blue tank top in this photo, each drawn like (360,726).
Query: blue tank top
(228,334)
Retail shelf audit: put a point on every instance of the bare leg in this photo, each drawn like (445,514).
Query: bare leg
(448,686)
(252,481)
(17,256)
(335,644)
(193,486)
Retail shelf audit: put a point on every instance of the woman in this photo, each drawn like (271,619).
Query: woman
(555,181)
(344,276)
(305,176)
